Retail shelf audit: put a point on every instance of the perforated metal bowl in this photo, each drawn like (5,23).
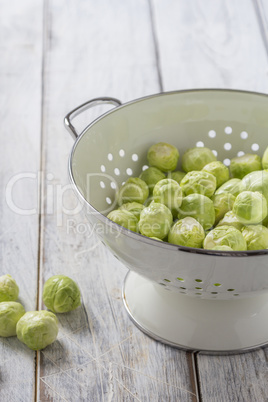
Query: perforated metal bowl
(114,147)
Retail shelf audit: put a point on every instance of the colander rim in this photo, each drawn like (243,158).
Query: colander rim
(138,236)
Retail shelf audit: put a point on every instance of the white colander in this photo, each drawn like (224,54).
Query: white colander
(189,298)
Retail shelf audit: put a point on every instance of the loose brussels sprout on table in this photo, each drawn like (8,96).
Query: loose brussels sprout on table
(163,156)
(197,158)
(61,294)
(242,165)
(10,313)
(9,290)
(37,329)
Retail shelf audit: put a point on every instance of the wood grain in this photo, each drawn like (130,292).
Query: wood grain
(95,49)
(20,115)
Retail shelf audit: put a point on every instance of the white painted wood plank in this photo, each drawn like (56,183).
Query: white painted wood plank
(97,49)
(216,44)
(210,44)
(20,116)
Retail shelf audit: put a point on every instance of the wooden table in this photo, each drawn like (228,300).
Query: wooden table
(54,56)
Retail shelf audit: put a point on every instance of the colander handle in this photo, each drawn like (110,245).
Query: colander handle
(87,105)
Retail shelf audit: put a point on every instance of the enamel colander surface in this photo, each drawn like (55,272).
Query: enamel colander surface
(114,147)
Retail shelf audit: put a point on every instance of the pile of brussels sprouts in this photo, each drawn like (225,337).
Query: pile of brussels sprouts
(37,329)
(207,205)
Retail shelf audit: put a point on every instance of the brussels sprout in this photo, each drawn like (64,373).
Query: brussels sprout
(169,193)
(124,218)
(197,158)
(199,207)
(37,329)
(155,238)
(256,237)
(177,175)
(187,232)
(250,207)
(134,190)
(163,156)
(230,219)
(219,170)
(134,207)
(199,182)
(223,248)
(265,159)
(225,236)
(155,220)
(61,294)
(10,313)
(232,186)
(151,176)
(223,203)
(256,181)
(9,290)
(242,165)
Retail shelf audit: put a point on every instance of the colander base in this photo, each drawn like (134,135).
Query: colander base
(212,326)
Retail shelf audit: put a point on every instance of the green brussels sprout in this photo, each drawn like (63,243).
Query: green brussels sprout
(232,186)
(134,190)
(151,176)
(223,248)
(230,219)
(256,237)
(265,159)
(200,182)
(10,313)
(155,220)
(187,232)
(61,294)
(199,207)
(250,207)
(169,193)
(177,175)
(219,170)
(163,156)
(240,166)
(225,236)
(197,158)
(124,218)
(134,207)
(9,290)
(155,238)
(37,329)
(223,203)
(256,181)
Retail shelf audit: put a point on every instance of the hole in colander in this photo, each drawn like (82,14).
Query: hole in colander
(212,134)
(145,167)
(180,279)
(129,171)
(236,294)
(113,185)
(198,294)
(255,147)
(199,144)
(121,153)
(102,168)
(163,284)
(198,288)
(227,146)
(240,153)
(108,200)
(110,157)
(181,287)
(214,293)
(227,162)
(228,130)
(198,280)
(230,290)
(215,152)
(181,291)
(102,184)
(167,280)
(244,135)
(217,284)
(135,157)
(117,171)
